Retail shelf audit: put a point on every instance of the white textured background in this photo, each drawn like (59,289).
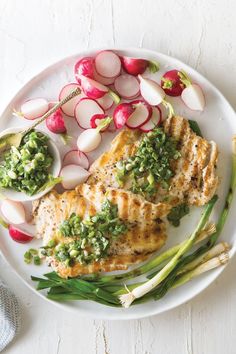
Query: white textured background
(34,34)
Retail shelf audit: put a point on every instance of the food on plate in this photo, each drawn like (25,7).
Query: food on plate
(33,108)
(192,95)
(19,235)
(27,168)
(55,123)
(13,212)
(107,229)
(136,66)
(170,164)
(72,175)
(171,83)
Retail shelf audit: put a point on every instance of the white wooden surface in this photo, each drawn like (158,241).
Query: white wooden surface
(34,34)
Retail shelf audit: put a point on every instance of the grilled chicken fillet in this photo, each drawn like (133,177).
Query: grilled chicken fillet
(194,181)
(146,230)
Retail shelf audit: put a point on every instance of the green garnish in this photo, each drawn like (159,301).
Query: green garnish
(177,213)
(26,169)
(92,237)
(32,255)
(151,163)
(195,127)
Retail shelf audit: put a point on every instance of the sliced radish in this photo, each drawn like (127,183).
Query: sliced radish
(19,235)
(122,113)
(105,102)
(13,211)
(72,175)
(55,123)
(69,107)
(76,157)
(84,110)
(193,97)
(107,64)
(171,83)
(89,140)
(136,66)
(34,108)
(103,80)
(85,67)
(98,119)
(141,114)
(127,86)
(151,91)
(92,88)
(154,121)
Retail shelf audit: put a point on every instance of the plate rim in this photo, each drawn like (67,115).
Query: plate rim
(155,310)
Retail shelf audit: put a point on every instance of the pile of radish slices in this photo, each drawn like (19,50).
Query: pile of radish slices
(115,92)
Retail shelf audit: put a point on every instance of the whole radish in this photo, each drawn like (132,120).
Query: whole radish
(172,84)
(85,67)
(55,123)
(192,95)
(136,66)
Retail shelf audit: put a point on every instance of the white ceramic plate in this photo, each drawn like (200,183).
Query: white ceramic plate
(217,122)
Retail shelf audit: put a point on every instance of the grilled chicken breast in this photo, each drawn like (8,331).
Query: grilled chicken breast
(194,181)
(146,231)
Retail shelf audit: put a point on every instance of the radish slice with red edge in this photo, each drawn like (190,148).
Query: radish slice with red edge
(89,140)
(141,114)
(84,110)
(153,122)
(76,157)
(107,64)
(106,102)
(13,211)
(97,119)
(122,113)
(69,107)
(85,67)
(92,88)
(19,235)
(103,80)
(136,66)
(192,95)
(127,86)
(73,175)
(34,108)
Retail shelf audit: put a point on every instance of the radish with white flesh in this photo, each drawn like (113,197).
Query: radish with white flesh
(153,122)
(136,66)
(106,102)
(69,107)
(141,114)
(98,119)
(85,67)
(19,235)
(33,108)
(76,157)
(72,175)
(154,94)
(171,83)
(94,89)
(84,110)
(192,95)
(122,113)
(127,86)
(55,123)
(107,64)
(103,80)
(13,211)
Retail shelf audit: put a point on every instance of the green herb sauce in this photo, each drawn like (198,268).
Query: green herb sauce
(92,237)
(26,169)
(151,164)
(177,213)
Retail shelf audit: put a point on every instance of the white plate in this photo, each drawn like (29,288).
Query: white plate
(218,122)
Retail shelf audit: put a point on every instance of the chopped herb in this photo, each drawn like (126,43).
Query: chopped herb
(26,169)
(32,255)
(151,164)
(92,237)
(177,213)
